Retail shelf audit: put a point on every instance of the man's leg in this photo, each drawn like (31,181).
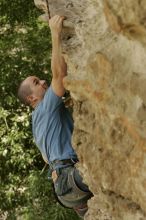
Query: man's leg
(79,181)
(78,196)
(82,208)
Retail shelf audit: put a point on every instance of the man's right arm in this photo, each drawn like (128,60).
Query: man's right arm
(58,65)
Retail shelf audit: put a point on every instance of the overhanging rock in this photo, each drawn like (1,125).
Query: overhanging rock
(105,48)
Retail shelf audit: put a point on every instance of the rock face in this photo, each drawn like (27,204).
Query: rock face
(105,48)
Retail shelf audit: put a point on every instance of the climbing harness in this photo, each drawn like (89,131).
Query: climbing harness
(68,162)
(48,10)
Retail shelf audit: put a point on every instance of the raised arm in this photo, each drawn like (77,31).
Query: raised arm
(58,65)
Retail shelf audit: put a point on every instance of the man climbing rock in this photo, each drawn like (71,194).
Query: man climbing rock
(52,126)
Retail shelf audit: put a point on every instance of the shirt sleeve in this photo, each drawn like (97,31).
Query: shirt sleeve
(51,101)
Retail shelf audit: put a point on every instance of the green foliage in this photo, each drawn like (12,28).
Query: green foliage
(25,48)
(24,51)
(17,11)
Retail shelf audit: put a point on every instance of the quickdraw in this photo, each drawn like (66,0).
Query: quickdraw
(48,10)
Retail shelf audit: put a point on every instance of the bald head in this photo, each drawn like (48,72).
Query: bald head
(24,91)
(32,90)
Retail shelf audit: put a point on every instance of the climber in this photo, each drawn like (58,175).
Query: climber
(52,126)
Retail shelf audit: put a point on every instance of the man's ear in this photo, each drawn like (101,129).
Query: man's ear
(31,99)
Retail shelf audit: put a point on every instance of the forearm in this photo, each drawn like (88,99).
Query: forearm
(58,65)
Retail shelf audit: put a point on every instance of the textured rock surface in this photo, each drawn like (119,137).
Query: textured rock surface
(105,48)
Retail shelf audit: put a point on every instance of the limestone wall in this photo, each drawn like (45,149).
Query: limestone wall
(105,48)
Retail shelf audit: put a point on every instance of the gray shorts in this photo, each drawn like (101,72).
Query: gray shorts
(70,189)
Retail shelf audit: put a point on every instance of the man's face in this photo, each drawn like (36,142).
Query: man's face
(37,86)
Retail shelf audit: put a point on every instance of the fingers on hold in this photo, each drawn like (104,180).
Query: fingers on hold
(63,17)
(57,18)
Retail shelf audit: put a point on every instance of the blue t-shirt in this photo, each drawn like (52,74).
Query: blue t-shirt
(52,127)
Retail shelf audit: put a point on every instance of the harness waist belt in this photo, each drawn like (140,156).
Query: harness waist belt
(64,162)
